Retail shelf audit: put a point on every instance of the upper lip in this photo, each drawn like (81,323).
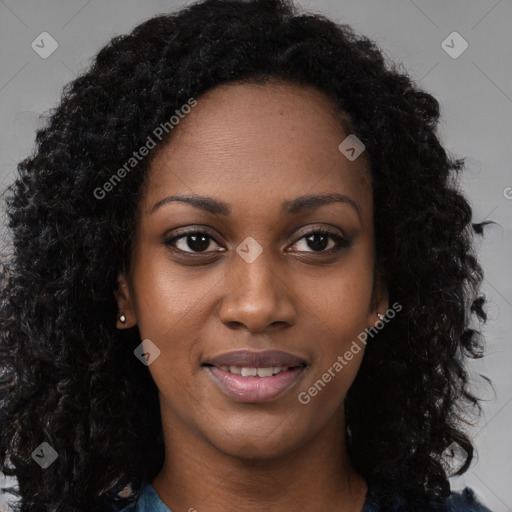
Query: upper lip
(251,359)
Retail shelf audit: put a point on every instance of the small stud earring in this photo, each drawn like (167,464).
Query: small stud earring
(122,319)
(380,315)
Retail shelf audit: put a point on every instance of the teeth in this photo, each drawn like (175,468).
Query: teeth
(265,372)
(253,372)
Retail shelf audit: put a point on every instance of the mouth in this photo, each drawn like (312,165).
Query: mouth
(246,376)
(252,372)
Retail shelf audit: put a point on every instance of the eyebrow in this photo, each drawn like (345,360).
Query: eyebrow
(292,207)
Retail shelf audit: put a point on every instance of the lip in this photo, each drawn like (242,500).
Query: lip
(255,389)
(252,359)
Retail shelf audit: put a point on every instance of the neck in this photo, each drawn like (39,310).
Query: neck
(315,477)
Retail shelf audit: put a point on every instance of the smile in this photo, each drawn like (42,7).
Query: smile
(247,376)
(254,384)
(253,372)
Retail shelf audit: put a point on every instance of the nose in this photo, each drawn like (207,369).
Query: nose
(256,296)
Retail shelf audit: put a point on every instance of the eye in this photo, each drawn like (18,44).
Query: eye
(197,241)
(194,241)
(318,240)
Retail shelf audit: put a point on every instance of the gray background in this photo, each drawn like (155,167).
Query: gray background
(474,90)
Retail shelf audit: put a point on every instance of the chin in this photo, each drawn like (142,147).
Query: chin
(263,442)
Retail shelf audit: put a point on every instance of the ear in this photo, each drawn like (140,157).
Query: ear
(124,303)
(380,300)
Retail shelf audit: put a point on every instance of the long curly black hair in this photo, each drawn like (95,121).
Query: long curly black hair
(70,378)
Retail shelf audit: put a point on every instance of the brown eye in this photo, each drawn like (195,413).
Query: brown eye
(318,241)
(191,241)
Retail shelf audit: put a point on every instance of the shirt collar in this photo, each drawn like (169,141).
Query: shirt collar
(149,501)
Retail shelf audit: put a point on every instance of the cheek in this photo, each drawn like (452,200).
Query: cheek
(341,299)
(165,301)
(172,308)
(337,306)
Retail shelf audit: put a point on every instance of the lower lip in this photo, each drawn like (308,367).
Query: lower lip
(255,389)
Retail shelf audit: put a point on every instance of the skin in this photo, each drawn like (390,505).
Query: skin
(254,147)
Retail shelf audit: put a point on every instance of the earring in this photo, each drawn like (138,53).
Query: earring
(122,319)
(380,315)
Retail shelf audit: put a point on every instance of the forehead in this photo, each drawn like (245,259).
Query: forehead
(251,143)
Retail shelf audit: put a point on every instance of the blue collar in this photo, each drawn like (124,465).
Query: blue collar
(464,501)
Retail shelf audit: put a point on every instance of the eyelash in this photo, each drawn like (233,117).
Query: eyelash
(340,241)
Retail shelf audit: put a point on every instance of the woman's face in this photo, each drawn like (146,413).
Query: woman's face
(256,276)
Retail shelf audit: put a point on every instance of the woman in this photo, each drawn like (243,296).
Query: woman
(242,279)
